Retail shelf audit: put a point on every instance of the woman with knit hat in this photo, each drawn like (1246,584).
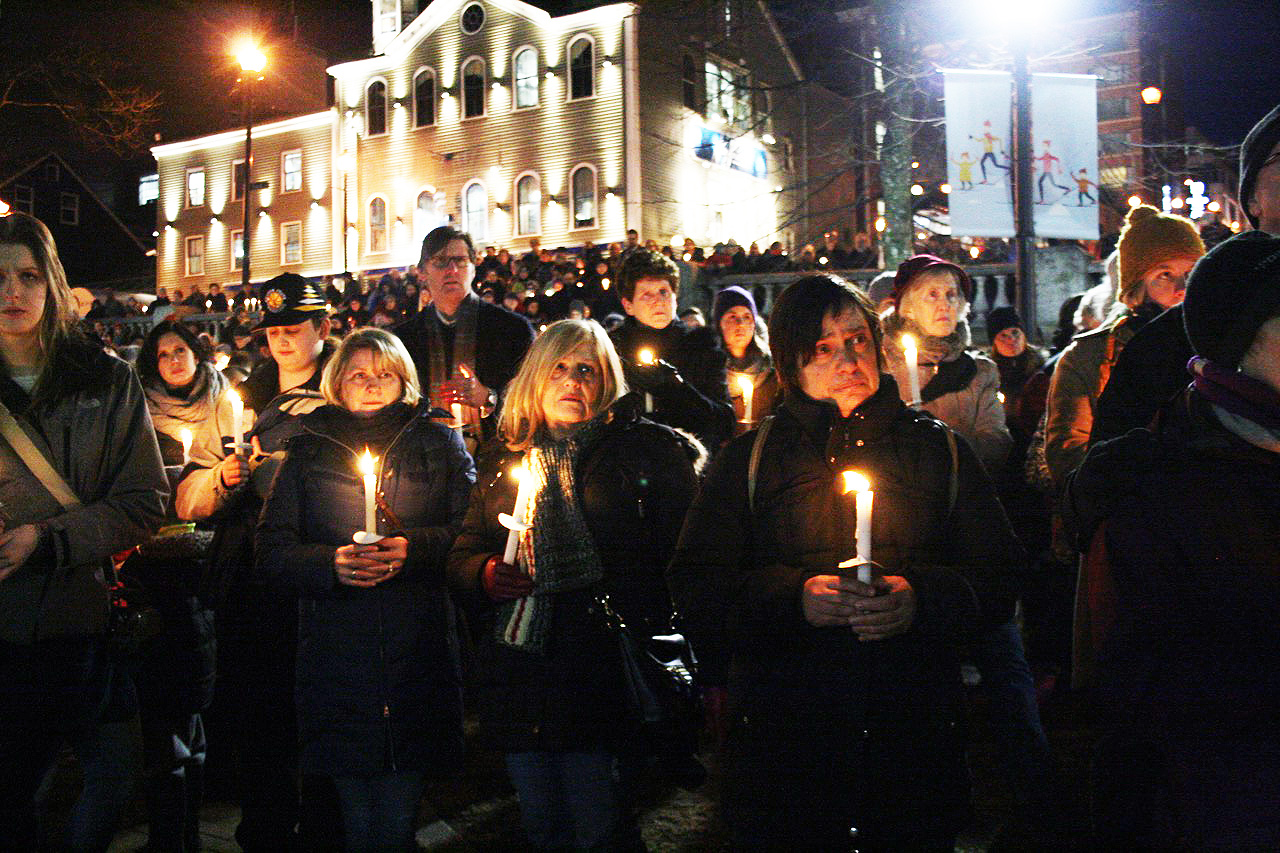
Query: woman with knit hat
(1157,250)
(1191,663)
(734,315)
(931,303)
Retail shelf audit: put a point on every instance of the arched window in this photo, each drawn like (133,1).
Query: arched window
(475,211)
(582,187)
(424,98)
(526,68)
(425,215)
(473,88)
(377,224)
(528,205)
(582,68)
(375,108)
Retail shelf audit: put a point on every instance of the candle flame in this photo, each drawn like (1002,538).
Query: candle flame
(234,398)
(184,435)
(855,482)
(908,343)
(518,473)
(1000,396)
(745,385)
(366,463)
(221,360)
(645,356)
(466,374)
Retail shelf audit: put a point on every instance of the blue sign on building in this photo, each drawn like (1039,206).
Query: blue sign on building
(743,154)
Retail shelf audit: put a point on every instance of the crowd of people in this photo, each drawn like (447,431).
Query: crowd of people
(388,510)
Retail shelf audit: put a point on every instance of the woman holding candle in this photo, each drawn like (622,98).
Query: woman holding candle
(931,302)
(182,385)
(844,706)
(753,384)
(378,679)
(84,416)
(605,493)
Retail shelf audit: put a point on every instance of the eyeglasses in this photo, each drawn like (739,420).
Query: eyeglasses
(441,263)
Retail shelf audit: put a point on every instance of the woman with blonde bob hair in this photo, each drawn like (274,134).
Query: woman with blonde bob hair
(605,495)
(83,414)
(378,678)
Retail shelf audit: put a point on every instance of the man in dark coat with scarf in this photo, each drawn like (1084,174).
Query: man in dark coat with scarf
(686,383)
(1190,664)
(465,349)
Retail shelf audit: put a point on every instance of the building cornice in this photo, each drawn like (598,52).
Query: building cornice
(228,137)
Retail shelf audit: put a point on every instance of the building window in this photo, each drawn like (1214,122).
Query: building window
(237,180)
(425,215)
(290,242)
(472,19)
(195,256)
(1114,176)
(475,211)
(237,249)
(424,98)
(148,189)
(52,172)
(473,88)
(291,170)
(582,186)
(728,95)
(24,199)
(69,209)
(526,68)
(195,187)
(689,82)
(375,108)
(528,205)
(1111,109)
(582,68)
(377,225)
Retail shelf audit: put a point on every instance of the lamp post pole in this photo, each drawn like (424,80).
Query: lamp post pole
(252,61)
(1023,206)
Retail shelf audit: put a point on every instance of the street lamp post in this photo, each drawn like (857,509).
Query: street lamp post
(346,162)
(252,61)
(1023,209)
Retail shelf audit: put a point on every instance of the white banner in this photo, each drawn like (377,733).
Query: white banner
(979,152)
(1064,151)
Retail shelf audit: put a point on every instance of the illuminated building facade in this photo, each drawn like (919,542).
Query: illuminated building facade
(511,124)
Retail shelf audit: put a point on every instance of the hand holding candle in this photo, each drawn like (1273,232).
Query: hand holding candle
(747,387)
(646,357)
(184,435)
(515,522)
(911,355)
(863,497)
(237,421)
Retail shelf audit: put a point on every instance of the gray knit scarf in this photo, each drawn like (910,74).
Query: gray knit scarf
(169,414)
(464,353)
(557,551)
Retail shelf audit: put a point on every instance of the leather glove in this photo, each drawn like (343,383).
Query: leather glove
(503,581)
(651,377)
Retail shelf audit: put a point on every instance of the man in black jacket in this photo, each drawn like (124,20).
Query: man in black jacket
(466,350)
(686,385)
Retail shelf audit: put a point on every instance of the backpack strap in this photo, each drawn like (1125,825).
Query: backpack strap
(753,467)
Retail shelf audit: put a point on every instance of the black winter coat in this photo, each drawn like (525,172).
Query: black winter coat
(378,675)
(634,484)
(826,732)
(1191,666)
(1149,372)
(700,404)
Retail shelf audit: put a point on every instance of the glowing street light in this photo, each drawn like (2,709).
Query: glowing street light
(1151,95)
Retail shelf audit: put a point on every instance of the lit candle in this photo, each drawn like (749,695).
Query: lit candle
(221,360)
(370,492)
(1000,397)
(604,284)
(913,372)
(515,522)
(748,389)
(185,435)
(237,420)
(645,356)
(456,408)
(863,497)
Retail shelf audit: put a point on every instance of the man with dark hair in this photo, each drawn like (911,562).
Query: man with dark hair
(466,350)
(687,381)
(257,627)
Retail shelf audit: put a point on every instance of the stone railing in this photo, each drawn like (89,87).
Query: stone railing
(140,325)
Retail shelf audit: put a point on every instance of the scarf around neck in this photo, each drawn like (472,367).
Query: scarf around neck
(169,414)
(445,363)
(952,368)
(557,551)
(1252,407)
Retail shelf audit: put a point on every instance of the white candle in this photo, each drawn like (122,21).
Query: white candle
(913,367)
(456,409)
(370,492)
(645,356)
(185,435)
(237,420)
(863,497)
(748,388)
(517,514)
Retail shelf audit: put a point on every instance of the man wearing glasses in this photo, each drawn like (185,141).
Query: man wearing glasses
(466,350)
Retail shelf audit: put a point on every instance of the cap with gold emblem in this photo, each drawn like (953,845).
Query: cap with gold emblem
(288,299)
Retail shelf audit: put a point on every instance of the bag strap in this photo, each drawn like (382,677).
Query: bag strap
(35,460)
(757,450)
(953,490)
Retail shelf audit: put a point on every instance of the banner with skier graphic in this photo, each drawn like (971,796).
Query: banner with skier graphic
(1064,155)
(980,152)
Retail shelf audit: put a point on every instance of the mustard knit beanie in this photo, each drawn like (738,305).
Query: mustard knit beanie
(1150,238)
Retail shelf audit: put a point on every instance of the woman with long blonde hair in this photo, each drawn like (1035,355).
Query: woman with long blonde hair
(605,497)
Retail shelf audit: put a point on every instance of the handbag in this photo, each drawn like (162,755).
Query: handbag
(132,620)
(658,675)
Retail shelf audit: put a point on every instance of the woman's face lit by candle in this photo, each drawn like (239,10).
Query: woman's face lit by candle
(843,369)
(934,300)
(368,383)
(571,392)
(175,360)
